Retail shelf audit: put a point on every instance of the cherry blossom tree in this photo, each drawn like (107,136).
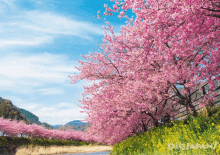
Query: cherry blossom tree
(12,128)
(171,44)
(121,114)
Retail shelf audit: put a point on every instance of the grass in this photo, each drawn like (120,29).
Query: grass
(202,132)
(40,150)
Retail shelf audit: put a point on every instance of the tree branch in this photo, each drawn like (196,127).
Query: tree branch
(210,9)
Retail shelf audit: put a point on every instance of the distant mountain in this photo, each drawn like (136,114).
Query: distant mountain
(56,126)
(71,123)
(46,125)
(30,116)
(75,125)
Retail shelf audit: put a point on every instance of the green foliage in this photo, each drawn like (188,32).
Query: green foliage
(4,110)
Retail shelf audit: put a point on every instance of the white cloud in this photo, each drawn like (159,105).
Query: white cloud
(58,115)
(31,106)
(22,73)
(62,104)
(52,23)
(5,83)
(31,28)
(35,41)
(6,4)
(41,66)
(50,91)
(13,98)
(30,83)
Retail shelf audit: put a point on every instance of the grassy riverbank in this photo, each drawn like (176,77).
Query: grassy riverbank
(199,135)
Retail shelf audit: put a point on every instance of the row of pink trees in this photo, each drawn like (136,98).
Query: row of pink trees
(13,128)
(172,44)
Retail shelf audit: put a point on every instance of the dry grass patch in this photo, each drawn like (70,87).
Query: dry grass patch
(62,149)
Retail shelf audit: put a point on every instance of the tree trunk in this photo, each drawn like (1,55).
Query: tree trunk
(156,123)
(191,109)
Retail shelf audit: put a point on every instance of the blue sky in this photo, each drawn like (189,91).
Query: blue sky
(40,43)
